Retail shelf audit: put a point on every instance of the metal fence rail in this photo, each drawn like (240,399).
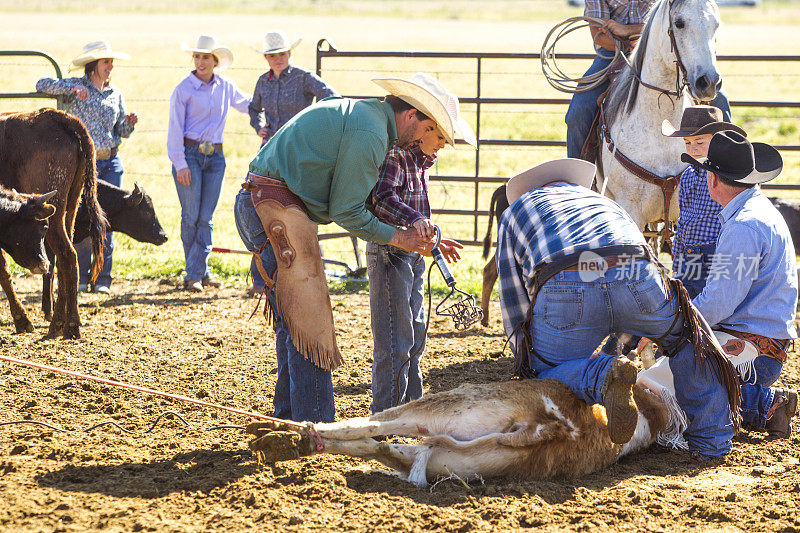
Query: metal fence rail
(326,50)
(33,94)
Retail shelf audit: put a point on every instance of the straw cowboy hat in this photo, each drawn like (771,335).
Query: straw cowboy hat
(207,44)
(569,170)
(429,96)
(699,120)
(732,156)
(275,42)
(97,50)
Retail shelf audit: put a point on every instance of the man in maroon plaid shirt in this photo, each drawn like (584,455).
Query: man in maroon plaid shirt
(396,276)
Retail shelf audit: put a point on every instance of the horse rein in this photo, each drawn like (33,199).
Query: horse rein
(681,78)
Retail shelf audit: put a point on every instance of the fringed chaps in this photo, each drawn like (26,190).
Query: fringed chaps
(707,350)
(301,289)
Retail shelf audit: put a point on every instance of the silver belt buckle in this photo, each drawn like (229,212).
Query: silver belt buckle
(205,147)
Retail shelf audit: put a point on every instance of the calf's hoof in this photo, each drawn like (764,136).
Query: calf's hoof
(620,405)
(281,446)
(23,325)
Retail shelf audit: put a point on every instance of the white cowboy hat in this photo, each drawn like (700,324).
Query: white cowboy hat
(97,50)
(275,42)
(429,96)
(569,170)
(207,44)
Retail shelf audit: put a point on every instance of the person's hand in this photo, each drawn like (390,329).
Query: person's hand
(425,228)
(132,118)
(81,92)
(410,241)
(449,249)
(184,177)
(622,31)
(263,132)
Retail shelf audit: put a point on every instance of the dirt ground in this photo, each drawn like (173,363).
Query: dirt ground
(179,478)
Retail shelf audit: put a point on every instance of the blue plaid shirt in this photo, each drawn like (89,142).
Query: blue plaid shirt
(623,11)
(698,221)
(277,99)
(548,223)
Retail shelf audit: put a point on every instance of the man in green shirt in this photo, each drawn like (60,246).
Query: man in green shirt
(321,167)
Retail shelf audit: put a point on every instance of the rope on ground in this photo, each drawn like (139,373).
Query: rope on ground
(118,426)
(553,73)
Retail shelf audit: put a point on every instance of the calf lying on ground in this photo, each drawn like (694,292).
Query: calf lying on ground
(23,225)
(128,212)
(524,429)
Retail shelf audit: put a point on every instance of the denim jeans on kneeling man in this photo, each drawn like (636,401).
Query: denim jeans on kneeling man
(572,316)
(303,391)
(398,324)
(757,396)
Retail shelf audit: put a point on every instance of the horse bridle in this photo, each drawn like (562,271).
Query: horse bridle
(681,77)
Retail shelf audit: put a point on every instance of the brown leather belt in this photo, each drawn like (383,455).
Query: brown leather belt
(104,154)
(264,188)
(204,147)
(612,261)
(544,271)
(766,346)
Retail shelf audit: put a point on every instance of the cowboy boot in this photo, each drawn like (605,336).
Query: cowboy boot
(621,409)
(784,407)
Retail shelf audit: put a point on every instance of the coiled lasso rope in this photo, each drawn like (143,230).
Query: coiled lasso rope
(554,75)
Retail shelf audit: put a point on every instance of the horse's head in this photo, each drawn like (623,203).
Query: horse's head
(693,25)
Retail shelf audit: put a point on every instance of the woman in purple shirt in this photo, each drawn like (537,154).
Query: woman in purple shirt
(198,108)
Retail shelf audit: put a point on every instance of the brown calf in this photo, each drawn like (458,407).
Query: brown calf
(49,150)
(23,224)
(523,429)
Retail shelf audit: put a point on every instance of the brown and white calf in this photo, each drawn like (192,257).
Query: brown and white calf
(524,429)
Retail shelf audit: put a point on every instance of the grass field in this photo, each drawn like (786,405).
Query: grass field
(152,32)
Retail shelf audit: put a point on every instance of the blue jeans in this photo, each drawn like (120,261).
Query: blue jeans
(258,281)
(198,201)
(398,324)
(571,318)
(109,171)
(303,391)
(583,107)
(693,265)
(757,397)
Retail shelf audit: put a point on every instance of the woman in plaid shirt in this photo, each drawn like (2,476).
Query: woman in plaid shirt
(396,276)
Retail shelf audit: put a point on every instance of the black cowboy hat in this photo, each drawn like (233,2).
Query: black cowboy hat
(699,120)
(732,156)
